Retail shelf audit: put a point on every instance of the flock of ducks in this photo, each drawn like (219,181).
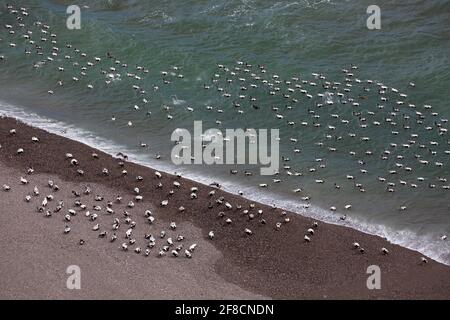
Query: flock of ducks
(120,213)
(346,118)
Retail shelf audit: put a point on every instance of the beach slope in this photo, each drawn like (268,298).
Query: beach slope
(268,263)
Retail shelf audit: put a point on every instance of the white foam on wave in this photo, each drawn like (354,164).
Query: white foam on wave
(425,244)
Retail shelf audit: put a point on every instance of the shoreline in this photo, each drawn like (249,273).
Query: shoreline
(250,193)
(269,263)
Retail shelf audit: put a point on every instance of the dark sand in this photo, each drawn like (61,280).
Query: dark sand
(270,263)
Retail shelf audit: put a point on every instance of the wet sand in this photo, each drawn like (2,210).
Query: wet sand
(269,263)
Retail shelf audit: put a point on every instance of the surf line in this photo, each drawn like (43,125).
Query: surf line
(186,310)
